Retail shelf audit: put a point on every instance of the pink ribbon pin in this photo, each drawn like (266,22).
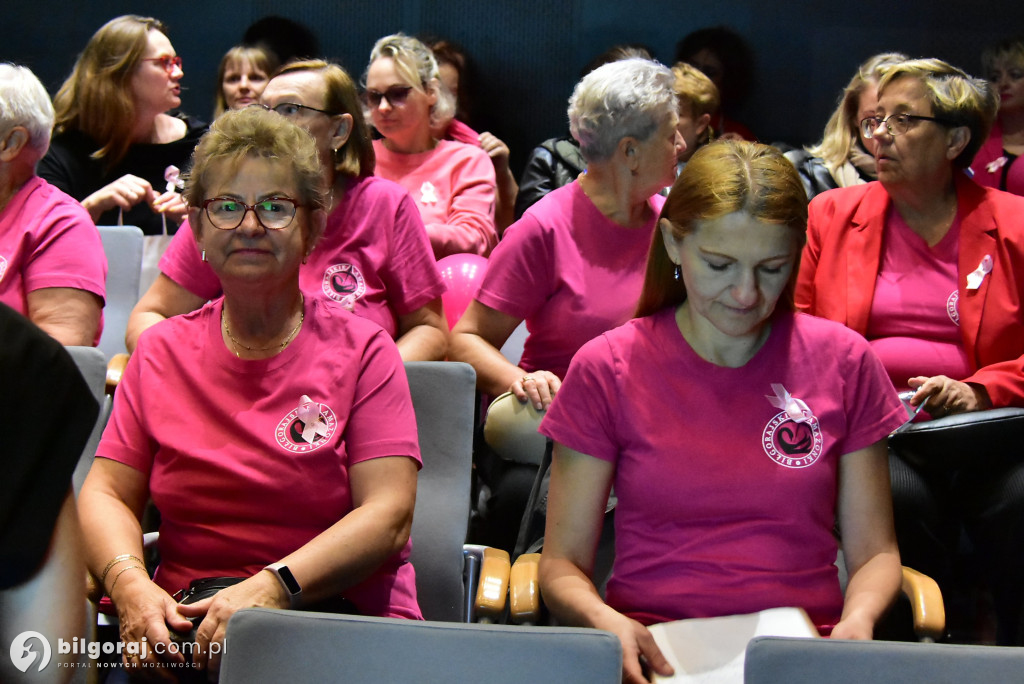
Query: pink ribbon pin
(309,414)
(795,409)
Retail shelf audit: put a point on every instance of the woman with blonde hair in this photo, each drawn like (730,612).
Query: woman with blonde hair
(734,431)
(241,77)
(114,142)
(374,259)
(843,157)
(698,102)
(452,183)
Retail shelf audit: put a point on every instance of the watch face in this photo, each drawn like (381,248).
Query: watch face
(289,579)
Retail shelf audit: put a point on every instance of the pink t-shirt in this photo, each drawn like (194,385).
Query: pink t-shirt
(236,484)
(914,321)
(374,258)
(454,188)
(461,132)
(48,240)
(569,272)
(726,504)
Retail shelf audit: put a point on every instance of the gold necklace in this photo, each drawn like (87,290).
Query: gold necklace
(291,335)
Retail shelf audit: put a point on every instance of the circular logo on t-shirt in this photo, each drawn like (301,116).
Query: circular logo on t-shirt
(3,266)
(953,307)
(345,284)
(792,444)
(289,430)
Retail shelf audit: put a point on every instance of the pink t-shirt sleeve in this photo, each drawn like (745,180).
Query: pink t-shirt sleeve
(126,437)
(469,226)
(181,263)
(412,276)
(520,272)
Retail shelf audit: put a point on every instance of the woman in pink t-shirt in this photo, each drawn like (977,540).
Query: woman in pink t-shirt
(452,183)
(288,457)
(374,259)
(735,432)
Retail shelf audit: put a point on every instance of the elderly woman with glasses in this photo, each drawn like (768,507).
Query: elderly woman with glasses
(929,267)
(452,183)
(287,468)
(375,258)
(114,142)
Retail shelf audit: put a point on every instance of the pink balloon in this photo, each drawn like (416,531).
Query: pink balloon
(462,274)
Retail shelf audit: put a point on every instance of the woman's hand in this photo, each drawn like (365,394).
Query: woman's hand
(538,387)
(172,205)
(638,648)
(856,626)
(496,149)
(145,611)
(943,396)
(262,590)
(124,193)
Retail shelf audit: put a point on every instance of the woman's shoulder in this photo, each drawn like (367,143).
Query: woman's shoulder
(822,333)
(454,150)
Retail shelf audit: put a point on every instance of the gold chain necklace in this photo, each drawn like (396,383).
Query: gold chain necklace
(291,335)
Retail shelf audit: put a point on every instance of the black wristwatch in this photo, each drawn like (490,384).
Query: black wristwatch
(288,581)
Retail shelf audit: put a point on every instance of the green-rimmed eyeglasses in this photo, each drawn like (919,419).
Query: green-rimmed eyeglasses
(273,213)
(895,124)
(290,110)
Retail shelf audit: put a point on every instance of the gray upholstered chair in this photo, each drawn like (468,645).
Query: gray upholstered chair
(123,247)
(281,645)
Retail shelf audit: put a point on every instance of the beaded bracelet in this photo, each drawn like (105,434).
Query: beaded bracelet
(118,559)
(121,572)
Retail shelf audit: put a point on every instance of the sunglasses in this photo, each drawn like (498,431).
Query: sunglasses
(167,62)
(395,95)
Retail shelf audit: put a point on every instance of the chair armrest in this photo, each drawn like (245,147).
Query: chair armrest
(492,586)
(115,369)
(926,604)
(524,590)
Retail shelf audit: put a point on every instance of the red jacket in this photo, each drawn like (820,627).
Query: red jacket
(840,264)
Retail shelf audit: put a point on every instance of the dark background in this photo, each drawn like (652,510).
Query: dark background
(529,54)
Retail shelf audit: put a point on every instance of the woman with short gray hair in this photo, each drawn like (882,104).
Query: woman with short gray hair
(573,265)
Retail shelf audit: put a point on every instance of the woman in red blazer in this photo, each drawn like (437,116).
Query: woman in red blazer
(929,267)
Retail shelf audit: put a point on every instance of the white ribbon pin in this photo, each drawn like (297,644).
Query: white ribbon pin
(309,414)
(975,277)
(428,195)
(795,409)
(172,174)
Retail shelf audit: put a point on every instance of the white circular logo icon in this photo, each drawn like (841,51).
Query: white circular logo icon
(24,651)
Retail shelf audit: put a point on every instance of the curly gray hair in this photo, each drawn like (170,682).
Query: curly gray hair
(630,97)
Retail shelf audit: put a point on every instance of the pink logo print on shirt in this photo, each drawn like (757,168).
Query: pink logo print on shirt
(953,307)
(308,427)
(792,437)
(344,284)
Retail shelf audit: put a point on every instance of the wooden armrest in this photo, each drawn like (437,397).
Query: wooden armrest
(926,604)
(493,586)
(524,590)
(115,369)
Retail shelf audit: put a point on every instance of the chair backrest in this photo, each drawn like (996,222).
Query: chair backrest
(513,347)
(777,660)
(93,367)
(443,396)
(123,247)
(279,645)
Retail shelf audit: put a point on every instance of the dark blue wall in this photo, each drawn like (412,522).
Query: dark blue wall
(530,52)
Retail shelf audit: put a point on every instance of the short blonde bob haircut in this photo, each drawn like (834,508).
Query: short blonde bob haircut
(255,55)
(723,178)
(355,158)
(842,132)
(256,132)
(955,97)
(416,64)
(96,98)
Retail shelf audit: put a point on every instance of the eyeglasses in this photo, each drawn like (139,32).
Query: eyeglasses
(895,124)
(167,62)
(395,95)
(290,110)
(273,213)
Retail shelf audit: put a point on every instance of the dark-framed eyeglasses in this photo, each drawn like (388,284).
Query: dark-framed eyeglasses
(396,96)
(168,62)
(273,213)
(290,110)
(895,124)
